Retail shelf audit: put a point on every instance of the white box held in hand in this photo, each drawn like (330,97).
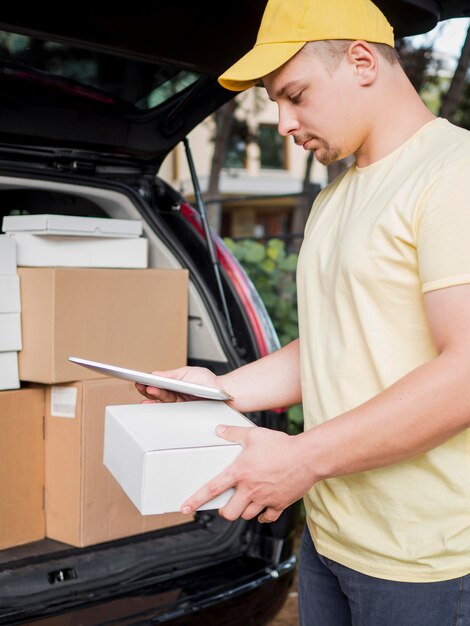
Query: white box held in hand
(161,453)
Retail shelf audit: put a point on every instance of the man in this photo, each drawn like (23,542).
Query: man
(382,363)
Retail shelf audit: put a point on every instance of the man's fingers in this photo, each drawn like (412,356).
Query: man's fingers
(164,395)
(269,515)
(209,491)
(237,434)
(252,510)
(198,375)
(156,394)
(235,507)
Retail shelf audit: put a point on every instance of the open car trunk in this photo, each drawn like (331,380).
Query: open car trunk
(48,577)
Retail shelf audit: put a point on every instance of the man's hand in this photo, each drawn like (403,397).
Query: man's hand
(268,476)
(270,382)
(198,375)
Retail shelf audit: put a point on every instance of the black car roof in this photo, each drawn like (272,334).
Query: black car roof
(202,36)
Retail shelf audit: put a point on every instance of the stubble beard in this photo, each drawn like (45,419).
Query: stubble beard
(325,153)
(328,154)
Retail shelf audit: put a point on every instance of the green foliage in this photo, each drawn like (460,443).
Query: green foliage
(272,271)
(296,419)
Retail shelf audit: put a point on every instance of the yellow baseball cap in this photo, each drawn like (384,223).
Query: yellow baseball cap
(287,25)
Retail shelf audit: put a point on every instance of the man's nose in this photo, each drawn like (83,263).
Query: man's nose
(287,124)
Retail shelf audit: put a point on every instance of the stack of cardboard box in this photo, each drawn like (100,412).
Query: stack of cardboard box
(52,480)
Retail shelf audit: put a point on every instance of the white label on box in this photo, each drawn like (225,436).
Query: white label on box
(63,401)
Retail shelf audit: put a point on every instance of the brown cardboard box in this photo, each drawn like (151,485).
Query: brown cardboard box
(21,466)
(131,318)
(84,503)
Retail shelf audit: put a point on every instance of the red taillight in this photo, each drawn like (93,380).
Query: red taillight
(192,216)
(242,288)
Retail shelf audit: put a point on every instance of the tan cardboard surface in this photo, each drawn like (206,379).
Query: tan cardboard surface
(84,503)
(21,467)
(130,318)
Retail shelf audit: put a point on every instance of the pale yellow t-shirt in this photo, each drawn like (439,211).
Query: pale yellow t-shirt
(378,238)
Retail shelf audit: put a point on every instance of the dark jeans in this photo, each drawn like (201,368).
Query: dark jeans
(333,595)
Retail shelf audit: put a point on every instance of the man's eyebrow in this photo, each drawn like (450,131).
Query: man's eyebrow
(280,92)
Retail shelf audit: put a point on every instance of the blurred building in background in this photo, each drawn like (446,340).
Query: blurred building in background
(266,185)
(262,175)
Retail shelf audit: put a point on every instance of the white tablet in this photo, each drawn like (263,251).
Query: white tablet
(180,386)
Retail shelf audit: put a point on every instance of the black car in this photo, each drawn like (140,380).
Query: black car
(91,102)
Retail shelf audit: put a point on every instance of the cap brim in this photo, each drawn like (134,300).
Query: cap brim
(258,62)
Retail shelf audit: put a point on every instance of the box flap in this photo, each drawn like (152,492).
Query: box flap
(166,426)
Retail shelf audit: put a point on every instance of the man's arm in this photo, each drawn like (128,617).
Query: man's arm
(417,413)
(268,383)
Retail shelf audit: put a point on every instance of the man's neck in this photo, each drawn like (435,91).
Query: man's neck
(399,114)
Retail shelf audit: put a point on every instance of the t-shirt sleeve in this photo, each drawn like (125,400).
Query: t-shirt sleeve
(443,230)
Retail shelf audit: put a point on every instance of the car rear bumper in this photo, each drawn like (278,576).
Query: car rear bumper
(240,592)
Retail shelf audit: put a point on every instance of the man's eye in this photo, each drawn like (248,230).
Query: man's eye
(295,99)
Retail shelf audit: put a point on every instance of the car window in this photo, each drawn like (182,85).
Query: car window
(88,73)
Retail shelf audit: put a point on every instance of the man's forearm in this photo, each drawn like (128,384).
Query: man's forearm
(417,413)
(268,383)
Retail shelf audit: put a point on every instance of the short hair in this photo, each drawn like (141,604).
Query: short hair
(331,51)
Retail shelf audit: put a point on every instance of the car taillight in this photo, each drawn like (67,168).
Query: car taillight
(261,324)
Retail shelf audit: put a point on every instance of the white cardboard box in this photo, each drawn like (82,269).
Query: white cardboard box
(10,332)
(72,225)
(10,301)
(162,453)
(58,251)
(9,378)
(7,255)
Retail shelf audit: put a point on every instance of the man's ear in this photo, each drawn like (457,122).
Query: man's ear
(363,57)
